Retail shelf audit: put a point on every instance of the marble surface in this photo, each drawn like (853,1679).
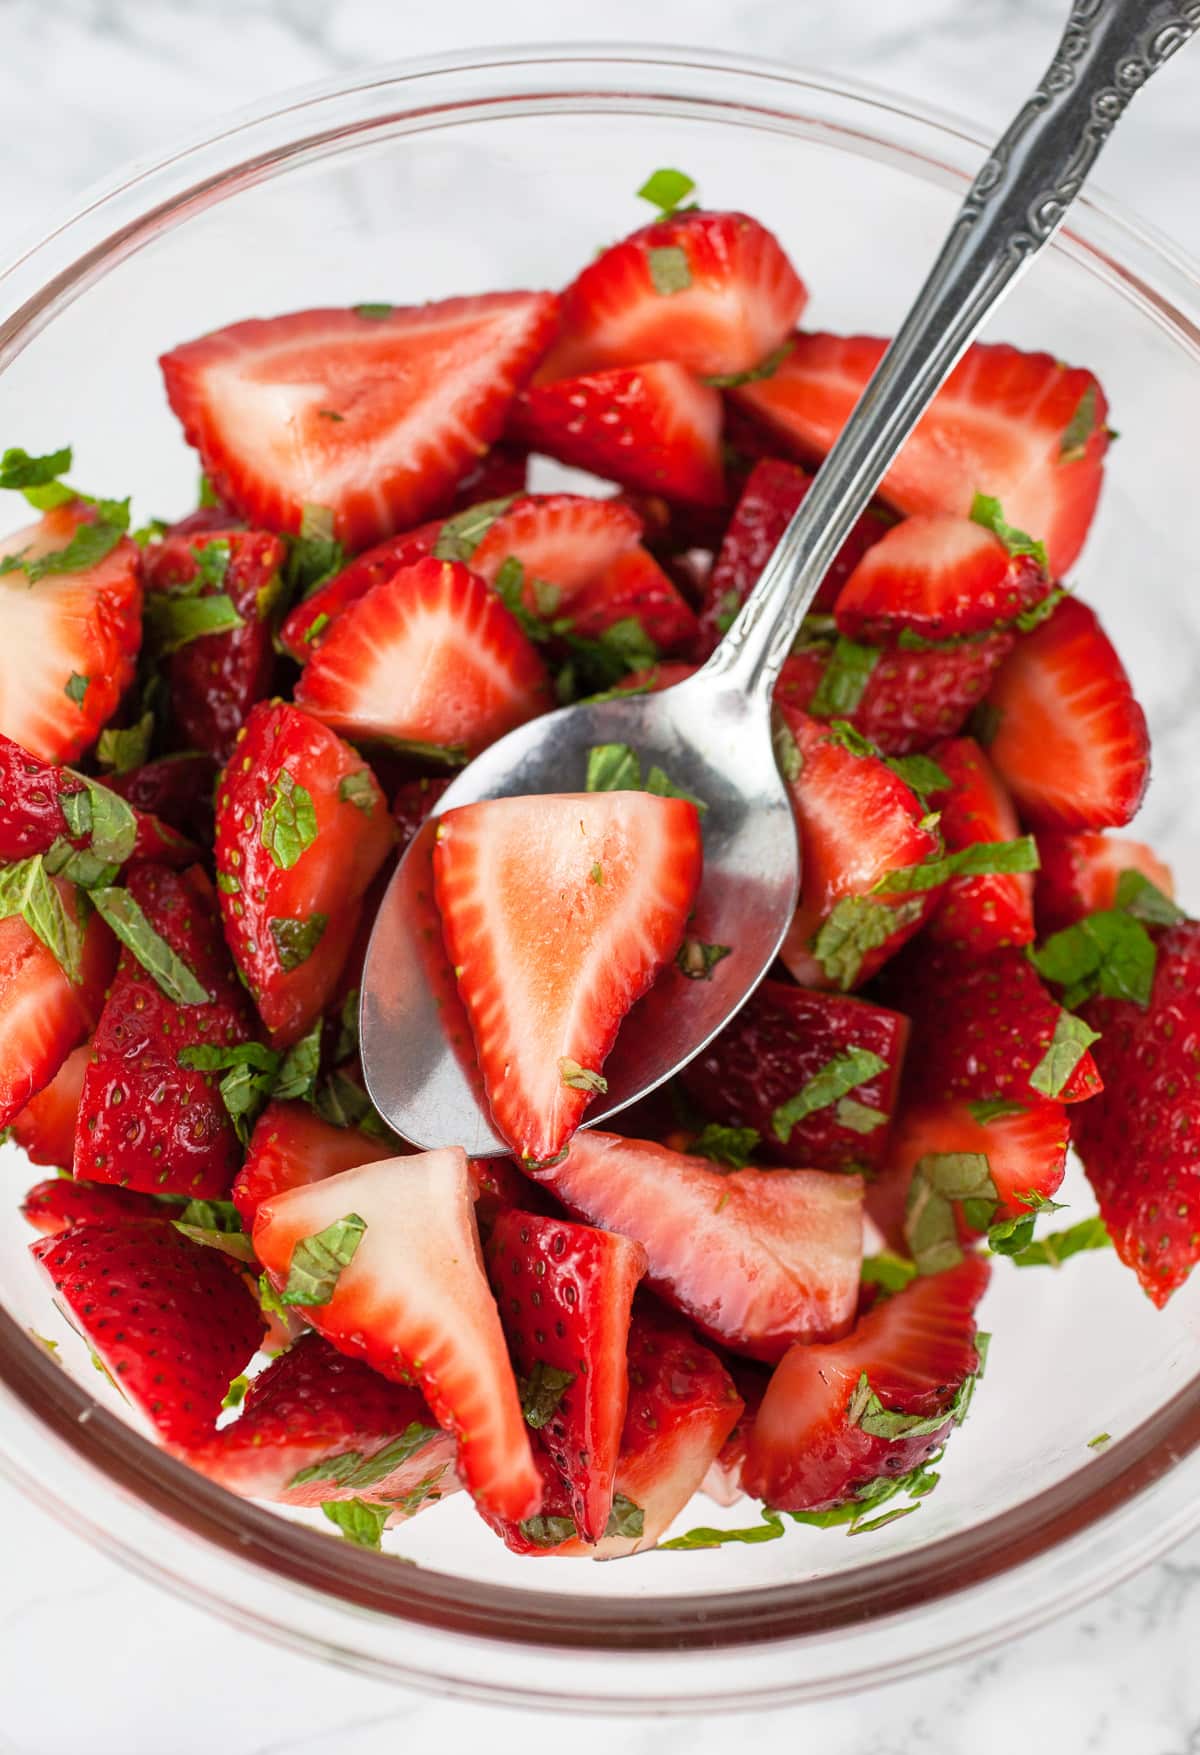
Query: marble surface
(95,1661)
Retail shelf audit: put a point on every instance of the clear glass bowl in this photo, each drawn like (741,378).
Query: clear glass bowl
(495,170)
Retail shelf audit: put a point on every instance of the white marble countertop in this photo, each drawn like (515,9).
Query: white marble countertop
(96,1662)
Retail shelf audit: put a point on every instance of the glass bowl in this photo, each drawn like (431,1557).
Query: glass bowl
(490,170)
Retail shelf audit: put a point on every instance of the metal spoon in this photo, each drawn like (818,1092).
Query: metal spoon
(713,733)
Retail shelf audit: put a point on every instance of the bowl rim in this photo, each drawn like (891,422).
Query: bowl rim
(168,1511)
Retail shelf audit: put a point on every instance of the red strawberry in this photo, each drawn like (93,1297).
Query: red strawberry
(216,679)
(32,819)
(43,1015)
(500,473)
(1020,427)
(1140,1139)
(634,587)
(412,804)
(812,1445)
(783,1037)
(1071,741)
(712,291)
(429,656)
(413,1303)
(558,913)
(60,1204)
(291,1147)
(978,913)
(302,828)
(373,413)
(146,1121)
(858,822)
(168,1319)
(654,678)
(177,789)
(306,624)
(45,1128)
(939,576)
(1078,875)
(70,639)
(757,1258)
(564,1293)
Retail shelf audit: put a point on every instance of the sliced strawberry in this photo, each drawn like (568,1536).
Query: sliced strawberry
(1071,741)
(60,1204)
(812,1445)
(291,1147)
(712,291)
(1079,874)
(564,1293)
(978,913)
(429,656)
(43,1016)
(412,804)
(858,822)
(558,913)
(373,413)
(177,789)
(634,587)
(32,819)
(167,1318)
(306,624)
(70,639)
(413,1303)
(302,828)
(45,1128)
(757,1258)
(1020,427)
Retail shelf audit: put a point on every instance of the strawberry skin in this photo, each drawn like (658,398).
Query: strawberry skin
(32,819)
(1071,742)
(43,1016)
(418,393)
(558,913)
(982,913)
(781,1038)
(291,1147)
(757,1258)
(917,1349)
(634,587)
(414,1304)
(176,789)
(45,1128)
(59,1204)
(170,1320)
(1079,874)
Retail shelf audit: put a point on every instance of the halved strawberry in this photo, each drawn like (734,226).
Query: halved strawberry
(1071,741)
(1020,427)
(429,656)
(45,1128)
(170,1321)
(558,913)
(823,1432)
(60,1203)
(757,1258)
(32,818)
(408,1295)
(1079,874)
(43,1015)
(291,1147)
(712,291)
(302,828)
(996,908)
(564,1292)
(764,1060)
(412,804)
(633,587)
(372,413)
(177,789)
(70,639)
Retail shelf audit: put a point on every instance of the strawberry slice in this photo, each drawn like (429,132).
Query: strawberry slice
(1079,874)
(168,1319)
(412,804)
(291,1147)
(373,414)
(859,823)
(60,1203)
(429,656)
(822,1434)
(564,1293)
(996,908)
(70,639)
(43,1015)
(45,1128)
(757,1258)
(558,913)
(633,587)
(302,828)
(764,1061)
(408,1296)
(32,817)
(1071,741)
(714,292)
(307,622)
(1020,427)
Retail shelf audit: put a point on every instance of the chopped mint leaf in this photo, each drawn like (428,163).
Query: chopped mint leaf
(1072,447)
(993,1108)
(697,960)
(232,1243)
(296,940)
(151,531)
(859,1117)
(548,1532)
(78,866)
(597,873)
(663,189)
(788,759)
(844,1073)
(269,1300)
(887,1270)
(1069,1044)
(341,1102)
(580,1078)
(375,313)
(1136,895)
(613,767)
(289,825)
(625,1518)
(89,545)
(730,1146)
(1108,952)
(318,1261)
(541,1393)
(235,1395)
(155,955)
(206,494)
(123,749)
(298,1070)
(728,605)
(670,270)
(461,535)
(866,1410)
(249,1069)
(211,565)
(316,628)
(18,470)
(856,926)
(173,622)
(426,1491)
(359,1520)
(105,818)
(1029,619)
(939,1179)
(212,1215)
(986,511)
(1059,1246)
(844,680)
(77,688)
(26,890)
(922,773)
(313,556)
(977,859)
(1099,1440)
(351,1469)
(662,786)
(358,789)
(842,732)
(766,368)
(705,1536)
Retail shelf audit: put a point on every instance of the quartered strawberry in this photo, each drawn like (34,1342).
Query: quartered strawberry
(291,1147)
(1070,740)
(564,1293)
(302,828)
(412,804)
(1140,1139)
(168,1319)
(558,913)
(1020,427)
(939,576)
(764,1060)
(70,639)
(373,413)
(45,1128)
(146,1120)
(430,656)
(996,908)
(215,680)
(307,623)
(822,1433)
(407,1295)
(859,823)
(43,1014)
(61,1203)
(757,1258)
(711,291)
(177,789)
(633,587)
(32,818)
(1079,874)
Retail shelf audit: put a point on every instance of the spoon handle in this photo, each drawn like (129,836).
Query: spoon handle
(1108,51)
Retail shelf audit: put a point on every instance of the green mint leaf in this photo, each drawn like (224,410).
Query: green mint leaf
(150,532)
(351,1469)
(613,767)
(87,548)
(855,927)
(211,563)
(697,960)
(173,621)
(426,1491)
(1072,447)
(296,940)
(155,955)
(316,628)
(541,1393)
(213,1215)
(670,270)
(244,1093)
(461,535)
(342,1103)
(978,859)
(986,511)
(548,1532)
(766,368)
(19,470)
(298,1070)
(312,557)
(730,1146)
(358,789)
(78,866)
(939,1180)
(844,680)
(1101,1439)
(887,1270)
(359,1520)
(1068,1045)
(921,773)
(206,494)
(105,818)
(844,1073)
(289,825)
(77,688)
(1032,618)
(318,1261)
(842,732)
(580,1078)
(1109,952)
(269,1300)
(235,1395)
(249,1069)
(1136,895)
(448,755)
(662,786)
(1011,1236)
(704,1536)
(788,759)
(858,1117)
(866,1410)
(625,1518)
(374,313)
(230,1243)
(219,1057)
(663,189)
(728,605)
(993,1108)
(122,750)
(26,890)
(1059,1246)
